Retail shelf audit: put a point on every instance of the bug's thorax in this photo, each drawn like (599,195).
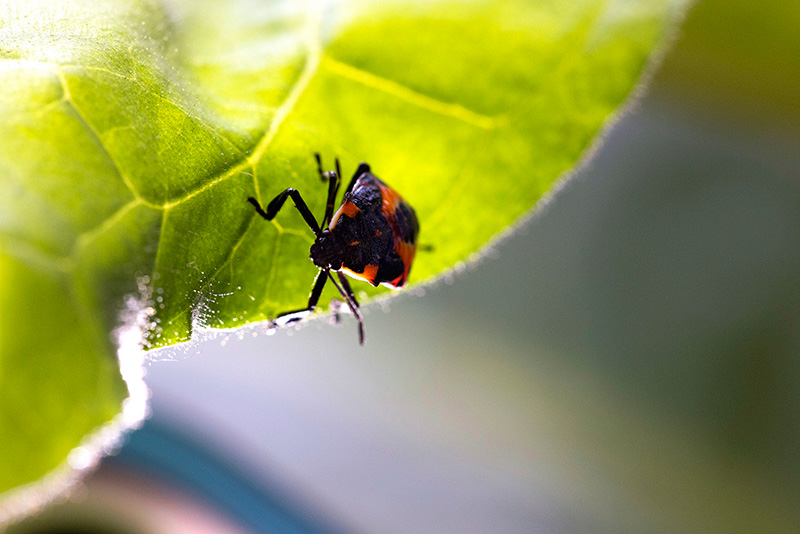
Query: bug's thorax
(328,251)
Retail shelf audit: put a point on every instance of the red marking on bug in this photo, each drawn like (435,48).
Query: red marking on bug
(391,199)
(369,275)
(406,251)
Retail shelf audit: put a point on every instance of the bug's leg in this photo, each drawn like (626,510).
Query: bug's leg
(362,168)
(258,207)
(313,299)
(333,188)
(277,203)
(350,298)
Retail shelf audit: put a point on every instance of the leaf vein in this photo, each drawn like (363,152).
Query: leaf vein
(456,111)
(147,90)
(68,98)
(314,51)
(90,235)
(160,246)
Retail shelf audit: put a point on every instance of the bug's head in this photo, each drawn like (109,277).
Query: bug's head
(327,251)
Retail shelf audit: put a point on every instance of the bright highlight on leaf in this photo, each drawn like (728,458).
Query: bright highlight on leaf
(132,134)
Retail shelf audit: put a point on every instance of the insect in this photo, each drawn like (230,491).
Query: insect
(371,237)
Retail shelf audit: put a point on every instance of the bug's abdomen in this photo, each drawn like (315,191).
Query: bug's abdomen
(405,229)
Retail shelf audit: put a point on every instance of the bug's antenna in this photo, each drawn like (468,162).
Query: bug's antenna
(333,189)
(338,178)
(319,166)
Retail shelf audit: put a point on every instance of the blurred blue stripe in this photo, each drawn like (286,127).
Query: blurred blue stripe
(261,506)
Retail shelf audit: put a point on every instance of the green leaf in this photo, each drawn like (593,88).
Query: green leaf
(132,134)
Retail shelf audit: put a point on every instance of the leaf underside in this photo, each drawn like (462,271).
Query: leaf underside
(132,134)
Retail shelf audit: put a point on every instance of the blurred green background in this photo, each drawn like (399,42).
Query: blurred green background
(628,360)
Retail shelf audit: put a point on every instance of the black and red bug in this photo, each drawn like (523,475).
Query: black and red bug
(371,237)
